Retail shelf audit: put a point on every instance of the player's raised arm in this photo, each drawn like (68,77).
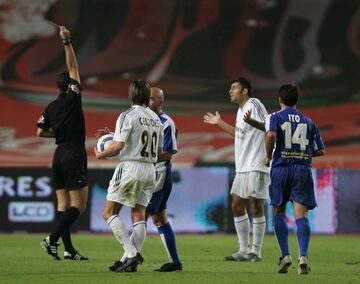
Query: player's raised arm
(216,119)
(71,62)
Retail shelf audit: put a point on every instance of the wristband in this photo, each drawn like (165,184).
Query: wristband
(66,41)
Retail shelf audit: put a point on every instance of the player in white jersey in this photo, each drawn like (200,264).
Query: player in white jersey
(252,177)
(139,138)
(163,186)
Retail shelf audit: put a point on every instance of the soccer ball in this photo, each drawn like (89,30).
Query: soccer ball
(104,142)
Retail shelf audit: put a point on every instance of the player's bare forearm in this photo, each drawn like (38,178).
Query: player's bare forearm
(71,63)
(70,57)
(210,118)
(227,128)
(115,147)
(254,123)
(257,124)
(45,133)
(164,156)
(270,139)
(319,153)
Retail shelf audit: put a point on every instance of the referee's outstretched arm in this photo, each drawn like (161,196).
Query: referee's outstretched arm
(71,62)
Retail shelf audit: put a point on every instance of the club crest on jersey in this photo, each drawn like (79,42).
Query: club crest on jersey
(74,88)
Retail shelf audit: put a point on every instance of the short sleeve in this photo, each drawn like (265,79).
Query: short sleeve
(318,143)
(161,136)
(258,110)
(43,122)
(74,87)
(270,123)
(170,144)
(122,128)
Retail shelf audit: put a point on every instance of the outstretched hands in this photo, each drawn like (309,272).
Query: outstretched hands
(247,116)
(254,123)
(212,118)
(101,132)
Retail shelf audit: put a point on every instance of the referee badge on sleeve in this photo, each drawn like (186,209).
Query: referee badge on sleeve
(41,119)
(75,88)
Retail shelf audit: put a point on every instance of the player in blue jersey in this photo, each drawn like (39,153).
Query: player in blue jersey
(296,139)
(157,206)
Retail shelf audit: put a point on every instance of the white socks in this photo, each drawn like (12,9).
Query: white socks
(120,232)
(259,226)
(242,226)
(137,237)
(163,240)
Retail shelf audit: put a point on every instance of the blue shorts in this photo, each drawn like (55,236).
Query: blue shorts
(294,183)
(159,199)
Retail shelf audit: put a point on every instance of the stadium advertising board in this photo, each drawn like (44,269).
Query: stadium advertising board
(198,202)
(27,201)
(348,201)
(323,217)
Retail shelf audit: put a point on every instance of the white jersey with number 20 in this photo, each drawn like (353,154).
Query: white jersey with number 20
(141,130)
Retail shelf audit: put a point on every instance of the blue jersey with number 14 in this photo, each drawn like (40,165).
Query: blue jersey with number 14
(297,137)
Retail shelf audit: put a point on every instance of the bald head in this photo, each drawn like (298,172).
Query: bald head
(156,99)
(157,92)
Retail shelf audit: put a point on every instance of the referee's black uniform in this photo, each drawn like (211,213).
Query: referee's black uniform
(66,118)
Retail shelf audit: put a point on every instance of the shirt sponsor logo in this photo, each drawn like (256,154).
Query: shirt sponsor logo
(36,212)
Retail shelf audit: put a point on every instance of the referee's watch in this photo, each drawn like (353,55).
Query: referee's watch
(66,41)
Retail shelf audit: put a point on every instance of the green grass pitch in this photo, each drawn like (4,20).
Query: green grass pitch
(333,259)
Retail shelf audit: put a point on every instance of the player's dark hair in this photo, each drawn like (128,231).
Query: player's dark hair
(289,94)
(245,84)
(63,81)
(139,92)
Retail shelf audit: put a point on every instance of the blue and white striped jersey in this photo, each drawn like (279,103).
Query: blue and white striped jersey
(170,143)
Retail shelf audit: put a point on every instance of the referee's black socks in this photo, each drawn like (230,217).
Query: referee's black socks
(63,223)
(66,236)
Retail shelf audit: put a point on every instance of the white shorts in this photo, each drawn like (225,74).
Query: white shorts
(251,184)
(132,183)
(160,180)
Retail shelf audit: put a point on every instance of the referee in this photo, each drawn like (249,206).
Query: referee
(63,119)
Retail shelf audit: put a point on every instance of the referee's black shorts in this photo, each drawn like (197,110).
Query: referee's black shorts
(69,167)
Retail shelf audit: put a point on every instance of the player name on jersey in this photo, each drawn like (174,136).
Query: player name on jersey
(149,122)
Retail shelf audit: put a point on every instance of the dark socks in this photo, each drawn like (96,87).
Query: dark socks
(63,223)
(282,232)
(66,236)
(170,241)
(303,235)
